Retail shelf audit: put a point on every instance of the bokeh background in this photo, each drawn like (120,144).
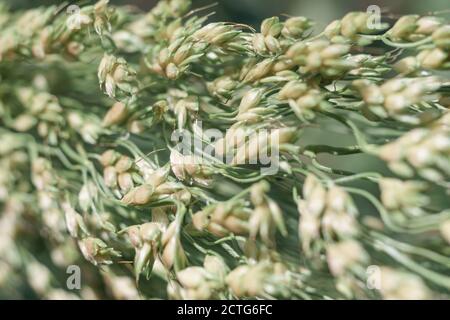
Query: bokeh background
(252,11)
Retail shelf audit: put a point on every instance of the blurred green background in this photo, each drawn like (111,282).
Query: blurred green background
(252,11)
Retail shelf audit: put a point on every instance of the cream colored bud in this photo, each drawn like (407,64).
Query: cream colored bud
(427,25)
(398,285)
(116,114)
(343,255)
(24,122)
(310,100)
(163,57)
(419,156)
(204,31)
(172,71)
(349,27)
(271,26)
(191,277)
(217,31)
(259,43)
(313,61)
(250,100)
(371,93)
(311,183)
(133,234)
(337,199)
(296,49)
(334,51)
(158,176)
(315,195)
(396,103)
(142,194)
(403,27)
(333,29)
(124,164)
(235,280)
(87,194)
(406,65)
(215,265)
(281,68)
(150,232)
(201,220)
(389,192)
(292,90)
(445,230)
(295,26)
(160,217)
(272,44)
(182,53)
(89,248)
(173,254)
(434,59)
(110,176)
(125,181)
(258,192)
(136,126)
(73,219)
(120,73)
(108,158)
(259,71)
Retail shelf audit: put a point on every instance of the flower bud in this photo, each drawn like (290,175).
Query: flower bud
(215,265)
(295,27)
(139,196)
(96,251)
(334,51)
(172,71)
(271,26)
(272,44)
(182,53)
(133,234)
(191,277)
(250,100)
(292,90)
(445,230)
(258,43)
(74,221)
(427,25)
(116,114)
(125,181)
(333,29)
(109,158)
(200,220)
(403,27)
(173,254)
(433,59)
(110,176)
(398,285)
(441,37)
(123,164)
(87,194)
(406,65)
(344,255)
(259,71)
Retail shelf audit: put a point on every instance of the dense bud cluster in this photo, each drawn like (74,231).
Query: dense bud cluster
(168,155)
(422,151)
(395,97)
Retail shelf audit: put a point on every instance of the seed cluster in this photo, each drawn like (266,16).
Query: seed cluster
(92,106)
